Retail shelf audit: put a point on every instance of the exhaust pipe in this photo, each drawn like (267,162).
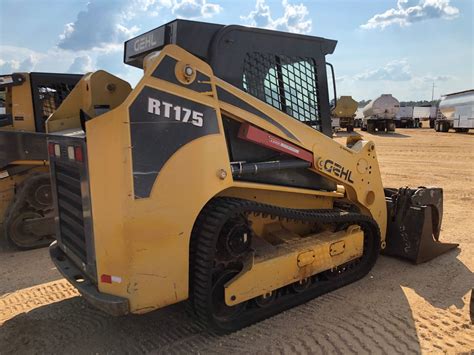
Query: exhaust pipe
(414,223)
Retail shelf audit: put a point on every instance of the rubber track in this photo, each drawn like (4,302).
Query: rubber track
(203,245)
(20,203)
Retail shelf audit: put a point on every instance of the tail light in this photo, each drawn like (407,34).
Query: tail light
(78,154)
(54,149)
(74,153)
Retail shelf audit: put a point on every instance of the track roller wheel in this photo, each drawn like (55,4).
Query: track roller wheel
(301,285)
(266,299)
(38,192)
(235,237)
(18,234)
(33,200)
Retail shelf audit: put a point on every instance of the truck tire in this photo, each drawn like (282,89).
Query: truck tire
(370,127)
(390,127)
(445,127)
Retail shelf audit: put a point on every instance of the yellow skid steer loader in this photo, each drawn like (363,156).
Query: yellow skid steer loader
(26,206)
(215,180)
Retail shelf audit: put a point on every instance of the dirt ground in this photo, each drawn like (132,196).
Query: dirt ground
(397,308)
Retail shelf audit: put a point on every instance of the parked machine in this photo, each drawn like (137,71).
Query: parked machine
(344,113)
(379,114)
(26,208)
(457,112)
(216,181)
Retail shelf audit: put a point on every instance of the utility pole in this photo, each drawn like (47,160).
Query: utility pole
(432,92)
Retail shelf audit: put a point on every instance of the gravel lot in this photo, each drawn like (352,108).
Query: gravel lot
(397,308)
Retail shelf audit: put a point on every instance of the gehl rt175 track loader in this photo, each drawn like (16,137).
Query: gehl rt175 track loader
(215,180)
(26,205)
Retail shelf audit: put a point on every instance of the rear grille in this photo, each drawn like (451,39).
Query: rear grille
(71,216)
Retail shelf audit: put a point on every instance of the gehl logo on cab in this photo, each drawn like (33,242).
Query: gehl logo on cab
(336,169)
(178,113)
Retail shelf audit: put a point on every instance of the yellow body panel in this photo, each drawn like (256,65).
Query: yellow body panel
(294,261)
(145,242)
(19,102)
(107,89)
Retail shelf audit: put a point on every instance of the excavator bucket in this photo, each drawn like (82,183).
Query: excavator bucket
(414,223)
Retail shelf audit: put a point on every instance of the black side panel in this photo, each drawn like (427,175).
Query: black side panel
(16,145)
(229,98)
(243,151)
(159,126)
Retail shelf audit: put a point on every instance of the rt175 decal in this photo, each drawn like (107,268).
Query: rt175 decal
(176,112)
(161,123)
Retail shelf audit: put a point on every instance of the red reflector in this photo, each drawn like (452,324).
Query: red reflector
(51,149)
(106,278)
(78,154)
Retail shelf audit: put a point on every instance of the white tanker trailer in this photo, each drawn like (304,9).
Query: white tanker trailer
(458,112)
(379,114)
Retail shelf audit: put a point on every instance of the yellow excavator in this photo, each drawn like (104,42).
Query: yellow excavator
(26,206)
(215,180)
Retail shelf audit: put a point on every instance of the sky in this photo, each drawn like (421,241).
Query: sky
(399,47)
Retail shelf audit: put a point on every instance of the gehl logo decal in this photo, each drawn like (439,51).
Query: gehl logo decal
(335,169)
(174,112)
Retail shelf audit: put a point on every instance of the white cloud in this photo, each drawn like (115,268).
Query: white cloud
(9,66)
(410,11)
(396,70)
(434,78)
(26,65)
(103,25)
(54,60)
(81,64)
(295,17)
(192,9)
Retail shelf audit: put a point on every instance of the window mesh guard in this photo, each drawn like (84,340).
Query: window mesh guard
(286,83)
(51,96)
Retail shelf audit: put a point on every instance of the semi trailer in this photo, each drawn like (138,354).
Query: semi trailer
(379,114)
(404,117)
(457,112)
(343,113)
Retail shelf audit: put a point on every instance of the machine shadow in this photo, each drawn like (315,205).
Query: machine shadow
(373,313)
(388,135)
(345,134)
(36,265)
